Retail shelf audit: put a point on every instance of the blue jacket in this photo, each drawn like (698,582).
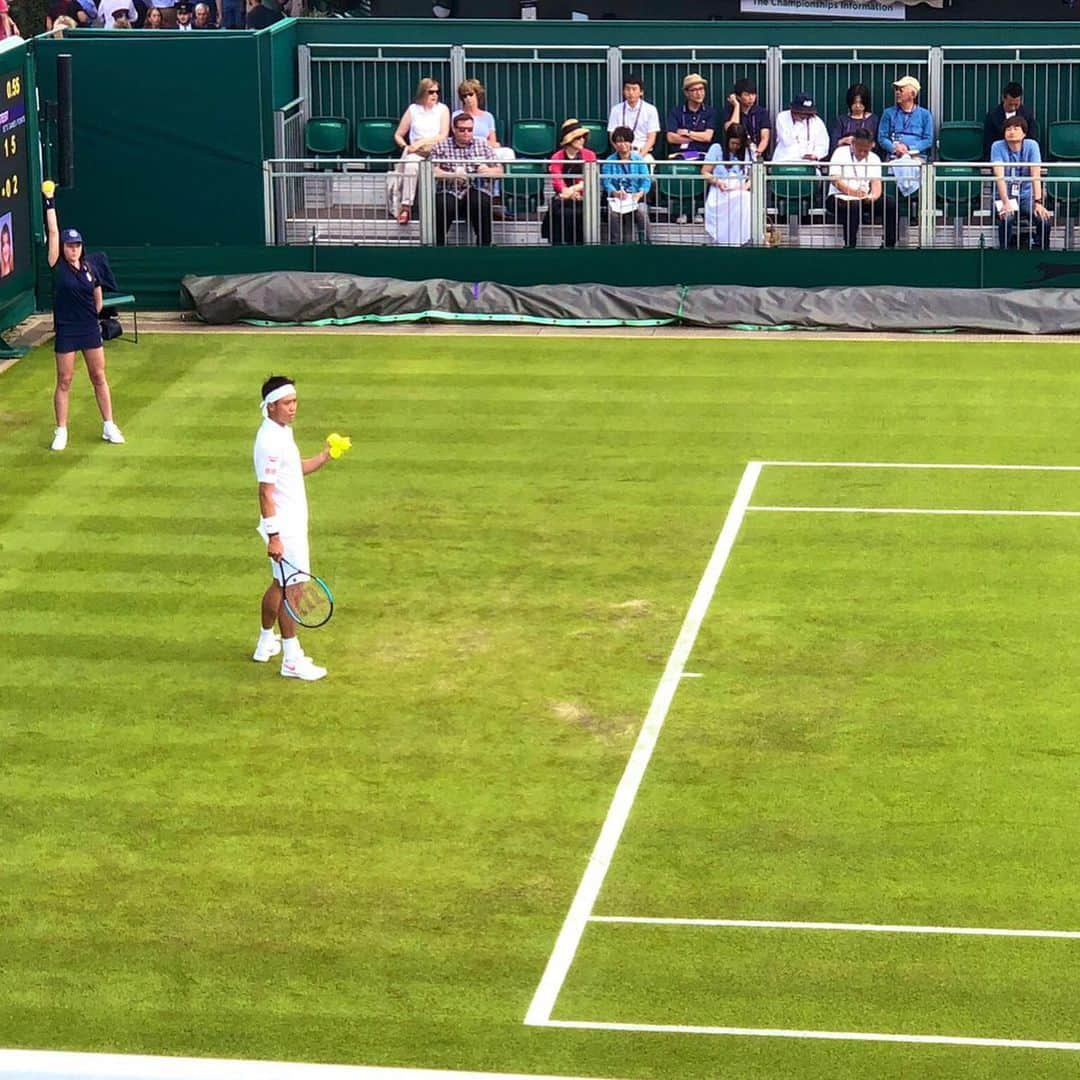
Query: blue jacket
(632,175)
(914,129)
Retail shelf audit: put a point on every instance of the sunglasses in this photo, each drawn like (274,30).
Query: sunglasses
(430,92)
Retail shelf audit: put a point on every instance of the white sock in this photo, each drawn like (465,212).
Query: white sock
(291,645)
(266,636)
(60,430)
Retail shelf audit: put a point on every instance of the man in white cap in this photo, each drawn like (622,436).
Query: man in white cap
(906,129)
(801,135)
(283,522)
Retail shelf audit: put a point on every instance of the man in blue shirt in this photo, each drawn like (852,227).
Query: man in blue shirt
(1019,189)
(906,129)
(692,125)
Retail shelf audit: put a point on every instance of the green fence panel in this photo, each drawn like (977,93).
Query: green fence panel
(170,135)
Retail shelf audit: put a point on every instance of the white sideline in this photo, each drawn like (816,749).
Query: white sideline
(872,928)
(62,1065)
(841,1036)
(577,918)
(912,510)
(917,465)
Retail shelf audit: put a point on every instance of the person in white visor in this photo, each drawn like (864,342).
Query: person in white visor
(283,523)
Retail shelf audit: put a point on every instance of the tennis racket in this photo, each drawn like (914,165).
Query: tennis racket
(308,598)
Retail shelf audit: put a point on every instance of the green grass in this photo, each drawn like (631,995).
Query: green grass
(201,858)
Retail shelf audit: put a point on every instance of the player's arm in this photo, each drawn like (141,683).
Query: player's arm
(268,511)
(52,229)
(313,464)
(99,299)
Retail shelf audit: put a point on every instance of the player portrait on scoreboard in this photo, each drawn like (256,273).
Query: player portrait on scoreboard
(7,246)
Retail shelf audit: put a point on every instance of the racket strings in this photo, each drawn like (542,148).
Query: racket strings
(309,601)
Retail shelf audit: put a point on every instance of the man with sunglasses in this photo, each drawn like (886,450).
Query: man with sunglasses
(463,167)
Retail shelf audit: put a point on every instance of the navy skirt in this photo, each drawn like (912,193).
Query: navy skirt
(78,340)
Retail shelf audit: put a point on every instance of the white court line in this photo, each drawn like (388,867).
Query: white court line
(784,1033)
(872,928)
(912,510)
(577,918)
(918,465)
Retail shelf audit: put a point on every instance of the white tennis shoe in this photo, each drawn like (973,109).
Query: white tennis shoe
(111,433)
(59,441)
(304,668)
(263,653)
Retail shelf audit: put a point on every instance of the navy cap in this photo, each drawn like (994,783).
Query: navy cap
(71,236)
(802,103)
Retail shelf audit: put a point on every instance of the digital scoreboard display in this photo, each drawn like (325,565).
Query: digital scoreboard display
(17,246)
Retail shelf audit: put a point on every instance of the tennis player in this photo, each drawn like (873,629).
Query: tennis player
(77,301)
(283,523)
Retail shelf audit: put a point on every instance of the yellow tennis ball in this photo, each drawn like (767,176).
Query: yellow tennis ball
(48,189)
(338,444)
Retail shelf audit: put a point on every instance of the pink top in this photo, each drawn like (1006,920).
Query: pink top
(572,168)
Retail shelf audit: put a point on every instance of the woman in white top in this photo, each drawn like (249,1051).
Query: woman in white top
(423,124)
(727,172)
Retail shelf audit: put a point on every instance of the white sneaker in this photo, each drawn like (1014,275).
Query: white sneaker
(111,433)
(304,668)
(59,441)
(699,218)
(681,219)
(266,652)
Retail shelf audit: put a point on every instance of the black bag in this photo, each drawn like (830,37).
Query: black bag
(110,328)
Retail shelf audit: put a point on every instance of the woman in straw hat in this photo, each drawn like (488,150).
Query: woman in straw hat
(568,179)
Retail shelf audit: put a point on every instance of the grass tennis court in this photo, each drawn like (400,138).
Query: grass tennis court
(874,725)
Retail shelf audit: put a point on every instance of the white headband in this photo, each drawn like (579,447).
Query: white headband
(277,395)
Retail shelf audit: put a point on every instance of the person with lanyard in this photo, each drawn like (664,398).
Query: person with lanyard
(855,186)
(1019,189)
(283,523)
(77,303)
(906,129)
(635,113)
(626,180)
(692,125)
(801,135)
(727,172)
(859,117)
(1011,104)
(743,109)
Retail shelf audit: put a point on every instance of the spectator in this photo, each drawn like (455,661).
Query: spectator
(183,16)
(202,20)
(72,9)
(154,20)
(1012,104)
(62,23)
(1019,189)
(121,20)
(742,108)
(801,135)
(423,124)
(108,9)
(473,99)
(232,14)
(727,172)
(463,165)
(259,16)
(906,129)
(566,210)
(692,125)
(7,23)
(859,117)
(626,180)
(635,113)
(855,187)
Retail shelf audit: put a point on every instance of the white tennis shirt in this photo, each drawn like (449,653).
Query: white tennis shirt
(277,462)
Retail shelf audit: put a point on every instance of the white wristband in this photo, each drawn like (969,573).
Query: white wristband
(270,525)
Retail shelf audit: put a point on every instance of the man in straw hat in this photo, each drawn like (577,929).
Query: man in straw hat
(691,125)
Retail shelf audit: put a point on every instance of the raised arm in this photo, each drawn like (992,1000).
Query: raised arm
(52,229)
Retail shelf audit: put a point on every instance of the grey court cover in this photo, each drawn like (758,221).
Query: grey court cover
(296,297)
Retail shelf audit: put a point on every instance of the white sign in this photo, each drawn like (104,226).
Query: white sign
(839,9)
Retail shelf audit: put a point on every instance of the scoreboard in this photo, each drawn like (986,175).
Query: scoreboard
(17,246)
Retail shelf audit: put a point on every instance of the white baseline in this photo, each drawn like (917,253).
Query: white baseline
(577,918)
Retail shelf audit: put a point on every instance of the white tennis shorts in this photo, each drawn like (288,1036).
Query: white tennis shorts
(296,552)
